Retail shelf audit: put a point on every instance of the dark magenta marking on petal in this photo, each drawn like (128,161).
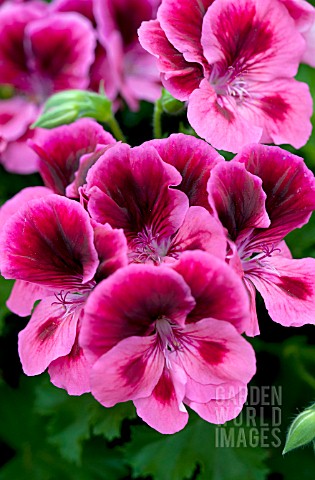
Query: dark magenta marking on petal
(295,287)
(48,329)
(212,352)
(242,36)
(164,390)
(227,114)
(275,107)
(133,371)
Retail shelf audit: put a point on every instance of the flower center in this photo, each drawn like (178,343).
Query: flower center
(260,259)
(147,248)
(168,339)
(229,84)
(71,302)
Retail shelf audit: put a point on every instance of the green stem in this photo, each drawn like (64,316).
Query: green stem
(115,128)
(157,119)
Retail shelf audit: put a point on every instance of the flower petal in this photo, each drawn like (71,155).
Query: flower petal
(111,246)
(24,295)
(129,189)
(60,151)
(213,352)
(288,289)
(218,291)
(194,159)
(163,410)
(238,198)
(128,371)
(129,302)
(49,242)
(290,189)
(48,335)
(200,231)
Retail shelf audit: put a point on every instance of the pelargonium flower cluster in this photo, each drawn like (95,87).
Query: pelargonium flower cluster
(145,261)
(234,63)
(46,48)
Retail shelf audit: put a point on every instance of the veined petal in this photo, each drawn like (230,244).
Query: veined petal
(254,37)
(194,159)
(72,371)
(238,198)
(200,231)
(290,189)
(128,371)
(50,334)
(302,12)
(213,352)
(111,246)
(14,204)
(49,242)
(182,24)
(163,410)
(62,50)
(218,120)
(60,151)
(283,109)
(220,411)
(129,302)
(129,189)
(217,289)
(24,295)
(16,115)
(288,289)
(178,76)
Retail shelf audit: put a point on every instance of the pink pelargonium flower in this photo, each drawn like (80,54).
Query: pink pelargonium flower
(234,63)
(66,153)
(164,337)
(16,115)
(303,13)
(260,196)
(121,62)
(50,244)
(131,188)
(41,53)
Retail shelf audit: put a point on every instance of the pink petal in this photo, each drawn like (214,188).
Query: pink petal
(288,289)
(194,159)
(182,24)
(13,58)
(71,372)
(16,115)
(60,151)
(84,7)
(302,12)
(238,198)
(290,189)
(163,410)
(283,108)
(24,295)
(179,76)
(220,411)
(128,371)
(309,55)
(49,335)
(10,207)
(111,246)
(258,38)
(221,124)
(213,352)
(62,47)
(218,291)
(49,242)
(129,189)
(129,302)
(252,328)
(200,231)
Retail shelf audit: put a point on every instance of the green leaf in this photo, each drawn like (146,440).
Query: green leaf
(179,456)
(301,431)
(5,289)
(108,421)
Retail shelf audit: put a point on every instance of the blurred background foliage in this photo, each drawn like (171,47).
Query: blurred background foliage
(47,435)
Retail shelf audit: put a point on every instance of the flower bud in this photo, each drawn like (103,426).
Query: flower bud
(302,430)
(70,105)
(170,105)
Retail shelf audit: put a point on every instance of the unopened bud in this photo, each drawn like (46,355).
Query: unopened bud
(302,430)
(171,105)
